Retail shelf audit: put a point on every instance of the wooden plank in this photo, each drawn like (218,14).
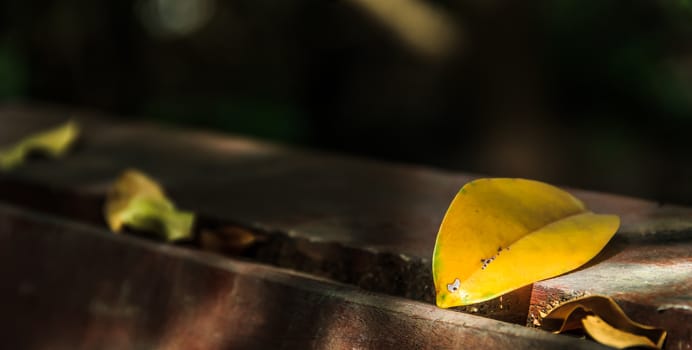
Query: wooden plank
(651,278)
(70,286)
(366,205)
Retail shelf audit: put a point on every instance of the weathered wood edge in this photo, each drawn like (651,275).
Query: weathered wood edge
(642,220)
(134,287)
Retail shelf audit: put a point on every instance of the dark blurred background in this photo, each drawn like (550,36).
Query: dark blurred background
(592,94)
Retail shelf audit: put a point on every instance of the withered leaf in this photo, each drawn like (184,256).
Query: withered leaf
(138,202)
(602,319)
(228,239)
(52,143)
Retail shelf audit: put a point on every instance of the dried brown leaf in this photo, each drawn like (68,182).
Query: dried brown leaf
(604,321)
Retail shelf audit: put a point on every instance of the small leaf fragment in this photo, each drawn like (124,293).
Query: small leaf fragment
(606,334)
(604,321)
(138,202)
(229,240)
(53,143)
(501,234)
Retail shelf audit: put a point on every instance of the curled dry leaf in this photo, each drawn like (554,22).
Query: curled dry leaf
(501,234)
(604,321)
(53,143)
(138,202)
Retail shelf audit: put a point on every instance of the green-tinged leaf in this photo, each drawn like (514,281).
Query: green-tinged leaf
(138,202)
(53,143)
(501,234)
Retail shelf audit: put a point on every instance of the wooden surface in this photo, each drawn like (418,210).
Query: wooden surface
(70,286)
(369,206)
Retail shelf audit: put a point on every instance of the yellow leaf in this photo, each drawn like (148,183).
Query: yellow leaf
(604,321)
(138,202)
(53,143)
(501,234)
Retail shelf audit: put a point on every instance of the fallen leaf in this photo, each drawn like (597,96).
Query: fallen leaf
(138,202)
(53,143)
(608,335)
(501,234)
(229,239)
(604,321)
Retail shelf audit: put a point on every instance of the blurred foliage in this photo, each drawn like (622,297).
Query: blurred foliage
(264,119)
(590,94)
(630,48)
(13,72)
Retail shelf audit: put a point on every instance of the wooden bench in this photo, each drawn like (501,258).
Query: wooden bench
(343,258)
